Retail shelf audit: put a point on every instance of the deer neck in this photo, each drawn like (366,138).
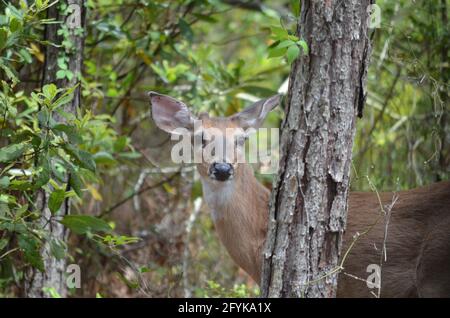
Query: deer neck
(239,209)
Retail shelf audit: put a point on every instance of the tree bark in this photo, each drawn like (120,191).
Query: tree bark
(308,207)
(53,275)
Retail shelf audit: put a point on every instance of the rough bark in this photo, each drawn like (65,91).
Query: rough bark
(53,275)
(308,206)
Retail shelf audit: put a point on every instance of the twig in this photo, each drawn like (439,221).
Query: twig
(143,287)
(186,254)
(124,200)
(9,252)
(144,174)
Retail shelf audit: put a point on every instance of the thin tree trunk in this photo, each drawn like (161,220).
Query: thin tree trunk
(308,206)
(442,166)
(53,275)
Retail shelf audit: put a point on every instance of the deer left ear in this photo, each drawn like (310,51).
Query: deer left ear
(170,114)
(253,116)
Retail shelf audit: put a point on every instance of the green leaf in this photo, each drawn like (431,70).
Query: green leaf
(62,101)
(120,239)
(86,160)
(12,152)
(58,248)
(278,31)
(30,245)
(62,63)
(44,173)
(292,53)
(9,71)
(21,185)
(304,46)
(61,74)
(70,131)
(81,224)
(295,7)
(39,4)
(186,30)
(206,18)
(50,91)
(26,56)
(82,158)
(276,52)
(120,143)
(52,292)
(75,182)
(55,200)
(3,37)
(103,157)
(3,243)
(43,117)
(59,171)
(285,43)
(88,176)
(15,25)
(4,182)
(69,75)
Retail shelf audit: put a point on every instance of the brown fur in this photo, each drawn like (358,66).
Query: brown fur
(418,232)
(417,244)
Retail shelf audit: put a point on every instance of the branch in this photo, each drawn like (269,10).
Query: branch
(187,252)
(126,199)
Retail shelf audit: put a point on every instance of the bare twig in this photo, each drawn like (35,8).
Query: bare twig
(146,172)
(187,253)
(129,197)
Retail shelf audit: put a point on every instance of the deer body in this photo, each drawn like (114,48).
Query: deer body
(416,237)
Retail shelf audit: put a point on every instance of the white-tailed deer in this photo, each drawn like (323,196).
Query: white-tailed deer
(418,233)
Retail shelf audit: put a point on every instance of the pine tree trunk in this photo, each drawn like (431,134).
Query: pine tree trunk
(308,206)
(53,275)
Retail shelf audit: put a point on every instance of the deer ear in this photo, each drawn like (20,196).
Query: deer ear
(254,115)
(169,113)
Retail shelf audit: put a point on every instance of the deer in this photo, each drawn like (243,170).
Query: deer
(416,240)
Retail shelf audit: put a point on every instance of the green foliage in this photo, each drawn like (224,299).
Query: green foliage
(286,44)
(51,291)
(217,58)
(214,289)
(402,140)
(82,224)
(45,148)
(18,32)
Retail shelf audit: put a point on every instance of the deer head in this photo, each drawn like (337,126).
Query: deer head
(218,141)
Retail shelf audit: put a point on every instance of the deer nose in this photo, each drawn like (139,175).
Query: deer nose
(222,171)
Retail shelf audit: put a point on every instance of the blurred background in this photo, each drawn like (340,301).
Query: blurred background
(215,56)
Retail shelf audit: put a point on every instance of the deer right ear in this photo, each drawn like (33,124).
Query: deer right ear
(253,116)
(170,114)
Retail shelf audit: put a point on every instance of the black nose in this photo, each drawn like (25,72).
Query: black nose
(221,171)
